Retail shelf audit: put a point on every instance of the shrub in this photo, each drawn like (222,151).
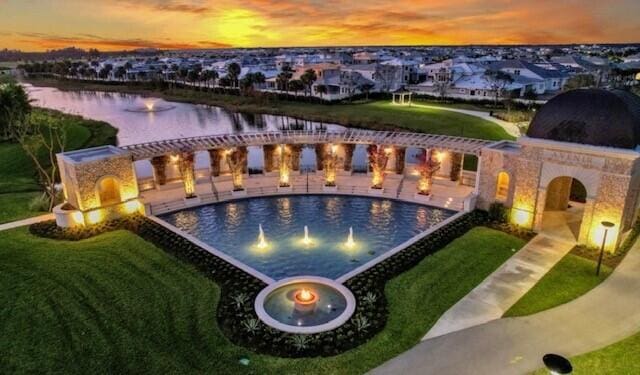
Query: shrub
(497,213)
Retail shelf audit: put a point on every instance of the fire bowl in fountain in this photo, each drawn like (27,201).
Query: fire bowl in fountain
(305,304)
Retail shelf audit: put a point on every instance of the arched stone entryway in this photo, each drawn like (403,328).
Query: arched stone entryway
(564,207)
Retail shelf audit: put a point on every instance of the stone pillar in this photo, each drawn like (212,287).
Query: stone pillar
(244,152)
(320,155)
(296,150)
(456,166)
(159,164)
(268,157)
(187,172)
(348,155)
(400,153)
(215,156)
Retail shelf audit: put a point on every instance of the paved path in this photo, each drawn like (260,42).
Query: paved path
(504,287)
(509,127)
(607,314)
(29,221)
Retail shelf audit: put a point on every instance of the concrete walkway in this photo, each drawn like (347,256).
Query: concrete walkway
(509,127)
(504,287)
(29,221)
(605,315)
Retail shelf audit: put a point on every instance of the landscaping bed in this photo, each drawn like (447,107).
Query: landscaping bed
(236,315)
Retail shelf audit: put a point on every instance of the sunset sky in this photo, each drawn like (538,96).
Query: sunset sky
(33,25)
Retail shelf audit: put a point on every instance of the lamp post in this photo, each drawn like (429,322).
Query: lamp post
(557,364)
(606,225)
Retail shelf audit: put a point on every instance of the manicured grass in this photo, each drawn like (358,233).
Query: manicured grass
(619,358)
(115,303)
(18,175)
(570,278)
(374,114)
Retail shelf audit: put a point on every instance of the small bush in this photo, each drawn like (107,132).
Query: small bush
(497,213)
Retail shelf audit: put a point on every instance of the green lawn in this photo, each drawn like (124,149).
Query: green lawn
(570,278)
(18,176)
(115,303)
(619,358)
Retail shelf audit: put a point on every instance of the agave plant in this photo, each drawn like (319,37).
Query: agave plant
(239,300)
(251,325)
(362,323)
(370,298)
(300,342)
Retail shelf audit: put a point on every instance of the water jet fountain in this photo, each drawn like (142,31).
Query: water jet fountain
(350,242)
(306,240)
(262,242)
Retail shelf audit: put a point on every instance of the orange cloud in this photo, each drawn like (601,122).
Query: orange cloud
(118,24)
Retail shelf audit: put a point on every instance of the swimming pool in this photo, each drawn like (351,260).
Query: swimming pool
(378,224)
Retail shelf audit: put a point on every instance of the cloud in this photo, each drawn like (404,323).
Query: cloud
(91,41)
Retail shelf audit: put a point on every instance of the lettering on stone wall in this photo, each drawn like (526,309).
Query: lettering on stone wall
(571,158)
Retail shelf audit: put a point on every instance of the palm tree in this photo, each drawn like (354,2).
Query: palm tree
(14,108)
(366,88)
(283,78)
(321,89)
(308,78)
(120,72)
(259,78)
(233,71)
(296,85)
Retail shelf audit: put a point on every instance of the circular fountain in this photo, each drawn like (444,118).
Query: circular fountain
(150,105)
(307,304)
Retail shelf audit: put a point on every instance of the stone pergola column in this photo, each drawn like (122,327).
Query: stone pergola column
(400,153)
(159,164)
(215,156)
(268,157)
(296,150)
(348,155)
(187,172)
(456,166)
(244,152)
(320,155)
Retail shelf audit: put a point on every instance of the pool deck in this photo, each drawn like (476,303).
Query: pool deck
(170,197)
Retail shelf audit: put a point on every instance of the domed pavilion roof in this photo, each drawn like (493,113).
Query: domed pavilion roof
(596,117)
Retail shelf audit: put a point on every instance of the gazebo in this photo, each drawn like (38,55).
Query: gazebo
(401,96)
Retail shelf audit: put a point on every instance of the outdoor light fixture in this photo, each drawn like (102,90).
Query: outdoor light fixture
(557,364)
(606,225)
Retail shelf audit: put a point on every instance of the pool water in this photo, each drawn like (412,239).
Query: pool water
(378,224)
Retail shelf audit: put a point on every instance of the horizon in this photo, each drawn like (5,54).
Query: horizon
(38,26)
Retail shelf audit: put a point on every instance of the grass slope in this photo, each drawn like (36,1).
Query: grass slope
(18,176)
(115,303)
(570,278)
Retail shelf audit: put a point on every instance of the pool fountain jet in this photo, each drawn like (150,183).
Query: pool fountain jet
(350,242)
(304,300)
(306,240)
(262,242)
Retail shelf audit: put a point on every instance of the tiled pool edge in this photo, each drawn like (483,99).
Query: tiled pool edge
(227,258)
(342,279)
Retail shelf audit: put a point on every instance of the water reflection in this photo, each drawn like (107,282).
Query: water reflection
(183,120)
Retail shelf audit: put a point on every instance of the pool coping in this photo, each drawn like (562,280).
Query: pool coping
(342,279)
(332,324)
(246,268)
